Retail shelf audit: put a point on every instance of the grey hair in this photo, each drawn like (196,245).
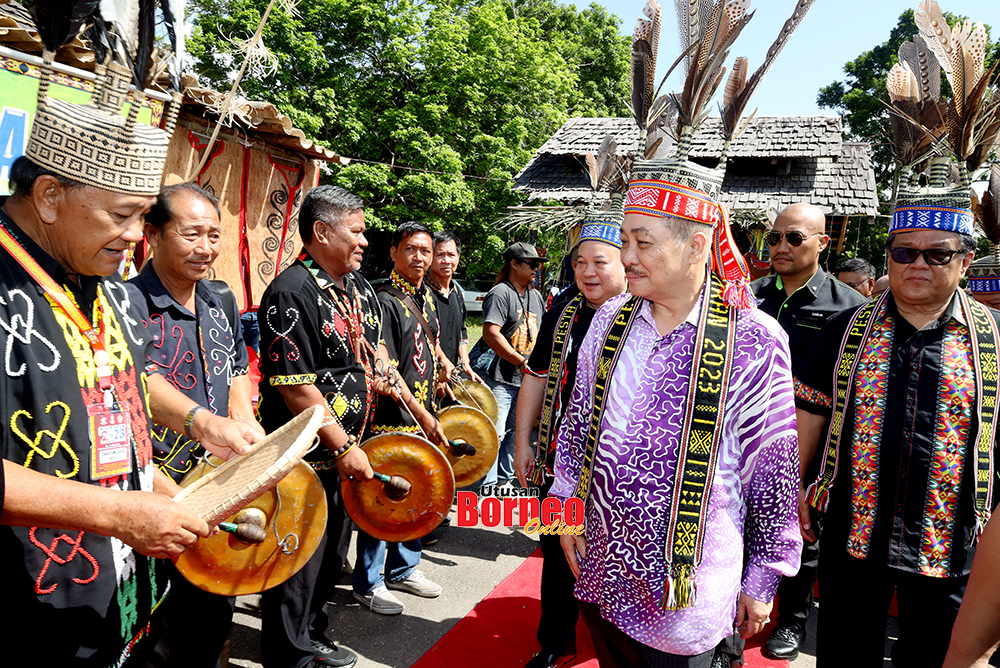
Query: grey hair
(327,204)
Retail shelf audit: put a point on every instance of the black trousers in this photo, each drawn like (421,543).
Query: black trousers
(795,593)
(293,609)
(856,598)
(193,625)
(616,649)
(560,611)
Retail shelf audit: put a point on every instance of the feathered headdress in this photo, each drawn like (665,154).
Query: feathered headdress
(602,220)
(973,113)
(984,274)
(918,115)
(674,186)
(92,144)
(964,128)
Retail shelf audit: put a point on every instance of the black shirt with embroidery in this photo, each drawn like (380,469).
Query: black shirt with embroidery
(199,353)
(451,318)
(541,358)
(72,597)
(411,351)
(304,340)
(802,313)
(907,448)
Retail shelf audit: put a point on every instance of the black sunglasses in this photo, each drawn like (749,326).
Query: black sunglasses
(934,256)
(793,238)
(534,264)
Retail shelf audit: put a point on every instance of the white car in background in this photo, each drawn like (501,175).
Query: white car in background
(475,292)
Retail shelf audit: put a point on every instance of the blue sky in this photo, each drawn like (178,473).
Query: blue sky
(833,32)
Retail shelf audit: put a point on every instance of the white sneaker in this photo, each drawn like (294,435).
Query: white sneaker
(381,600)
(416,583)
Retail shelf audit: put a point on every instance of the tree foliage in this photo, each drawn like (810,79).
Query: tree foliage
(449,87)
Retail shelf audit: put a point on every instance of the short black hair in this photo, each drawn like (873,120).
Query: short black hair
(163,211)
(24,172)
(407,230)
(328,204)
(969,244)
(858,265)
(444,236)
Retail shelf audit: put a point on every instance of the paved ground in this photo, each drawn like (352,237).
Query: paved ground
(468,562)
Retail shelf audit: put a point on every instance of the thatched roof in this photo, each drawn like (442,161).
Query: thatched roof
(777,161)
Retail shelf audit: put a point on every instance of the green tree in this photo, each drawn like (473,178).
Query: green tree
(449,87)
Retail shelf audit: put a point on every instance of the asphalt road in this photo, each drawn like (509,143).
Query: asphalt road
(468,562)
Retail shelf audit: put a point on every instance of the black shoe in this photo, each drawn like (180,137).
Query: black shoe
(721,660)
(330,654)
(429,539)
(543,659)
(446,522)
(785,641)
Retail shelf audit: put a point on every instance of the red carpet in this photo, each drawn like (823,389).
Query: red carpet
(500,631)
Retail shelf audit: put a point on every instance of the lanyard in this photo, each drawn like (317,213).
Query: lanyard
(96,338)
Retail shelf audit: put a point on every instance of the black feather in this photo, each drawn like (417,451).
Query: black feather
(100,40)
(147,39)
(170,21)
(58,22)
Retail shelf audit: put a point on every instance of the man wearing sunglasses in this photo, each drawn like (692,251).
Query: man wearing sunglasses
(801,297)
(906,472)
(857,273)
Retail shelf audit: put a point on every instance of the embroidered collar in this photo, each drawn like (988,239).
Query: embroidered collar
(161,297)
(434,285)
(403,285)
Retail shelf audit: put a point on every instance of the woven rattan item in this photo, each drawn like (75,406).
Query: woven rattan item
(239,481)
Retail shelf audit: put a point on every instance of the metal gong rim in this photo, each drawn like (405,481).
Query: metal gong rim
(224,564)
(424,508)
(478,396)
(464,423)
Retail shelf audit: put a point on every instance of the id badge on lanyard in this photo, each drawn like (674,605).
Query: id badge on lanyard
(110,429)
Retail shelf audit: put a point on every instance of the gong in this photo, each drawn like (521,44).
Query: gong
(389,514)
(293,516)
(468,425)
(477,395)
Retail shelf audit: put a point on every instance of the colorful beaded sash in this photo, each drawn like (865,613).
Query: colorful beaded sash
(970,357)
(698,450)
(551,407)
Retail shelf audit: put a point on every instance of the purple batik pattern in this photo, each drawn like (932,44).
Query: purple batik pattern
(757,478)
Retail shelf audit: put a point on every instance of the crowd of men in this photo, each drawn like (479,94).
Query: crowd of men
(712,432)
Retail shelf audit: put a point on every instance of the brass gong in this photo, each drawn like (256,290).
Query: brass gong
(477,395)
(468,425)
(293,516)
(398,517)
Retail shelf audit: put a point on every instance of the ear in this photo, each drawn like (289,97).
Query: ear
(700,245)
(824,241)
(152,238)
(392,253)
(48,195)
(319,232)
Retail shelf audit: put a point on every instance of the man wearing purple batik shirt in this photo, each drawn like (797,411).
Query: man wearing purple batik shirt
(638,614)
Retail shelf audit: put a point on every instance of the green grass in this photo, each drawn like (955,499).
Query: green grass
(474,323)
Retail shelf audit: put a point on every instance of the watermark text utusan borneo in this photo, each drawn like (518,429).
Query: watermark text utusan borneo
(494,505)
